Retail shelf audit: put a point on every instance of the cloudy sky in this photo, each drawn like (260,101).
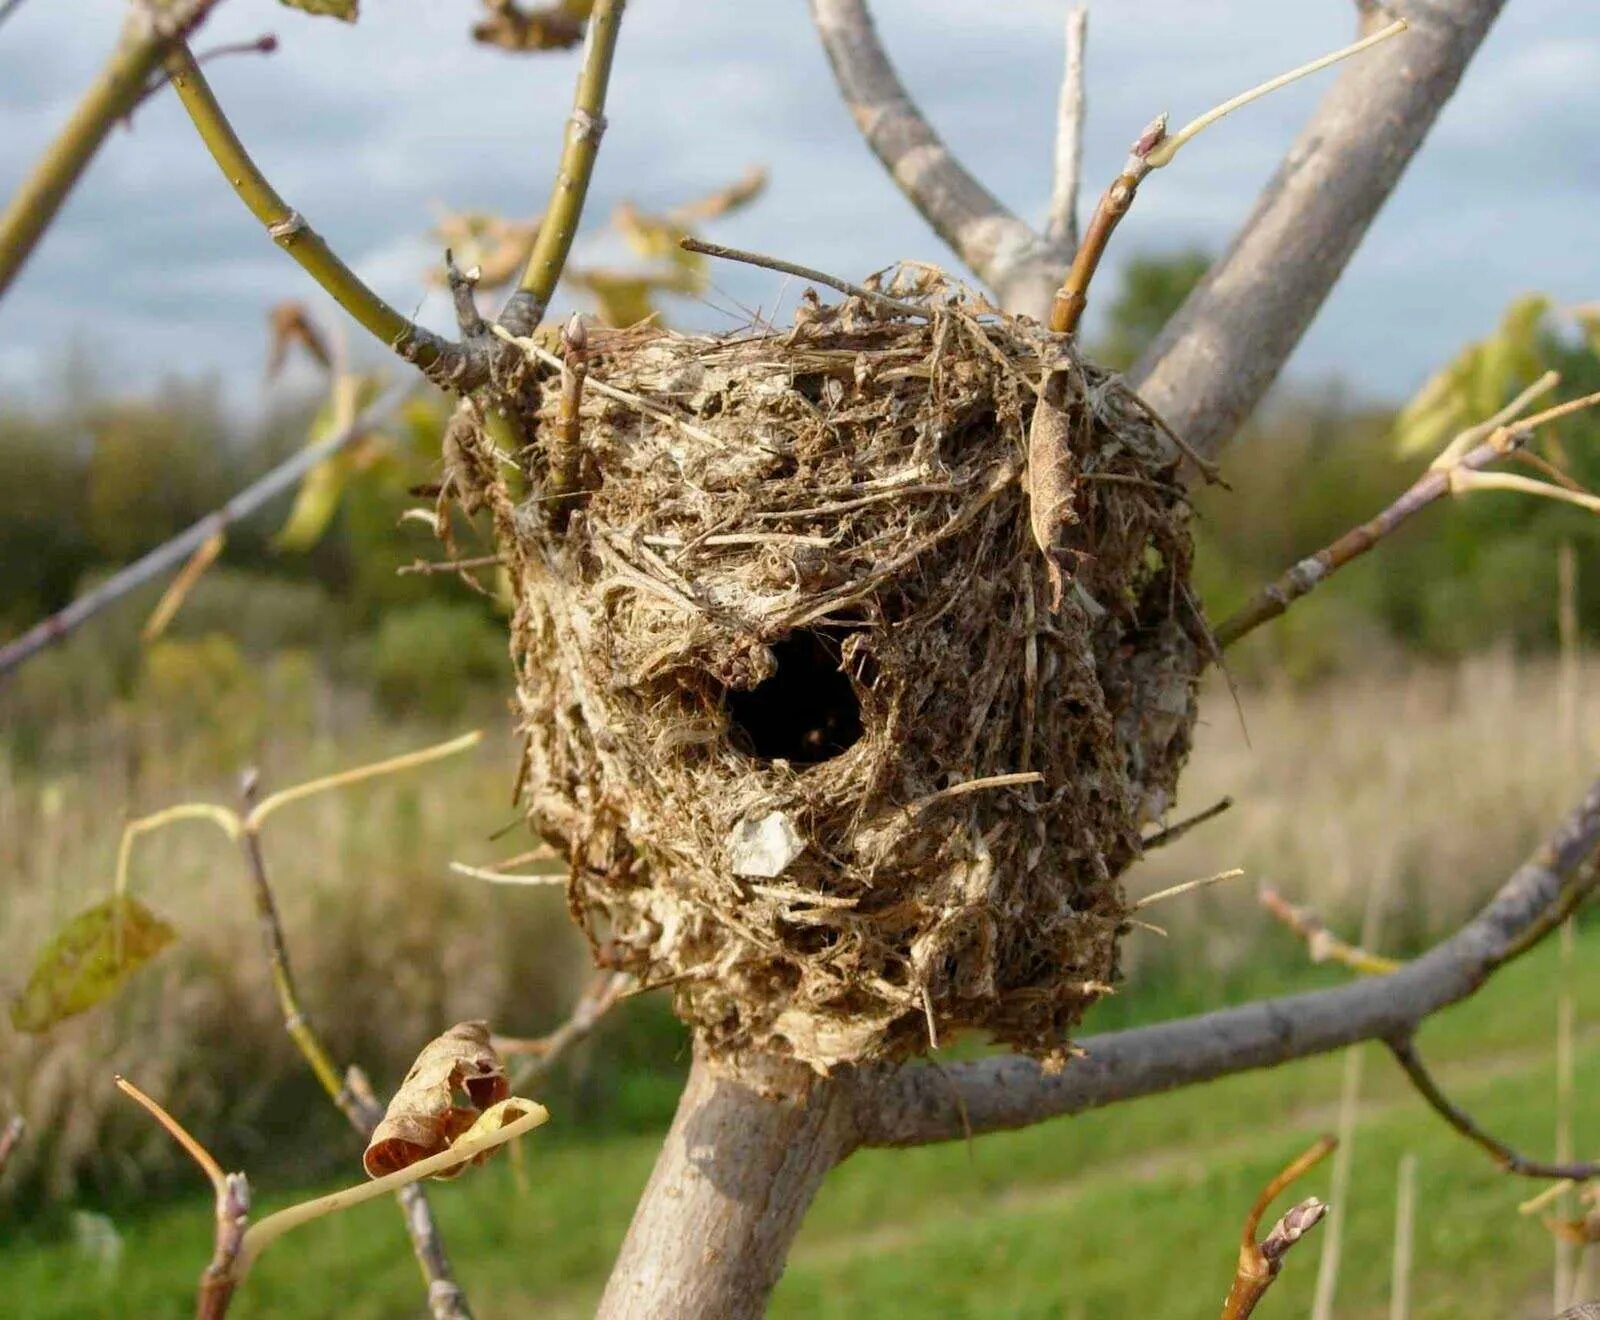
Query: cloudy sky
(156,267)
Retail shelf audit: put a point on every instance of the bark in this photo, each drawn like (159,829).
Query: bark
(1216,358)
(734,1179)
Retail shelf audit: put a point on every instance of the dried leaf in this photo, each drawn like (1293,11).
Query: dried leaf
(498,247)
(1580,1232)
(425,1118)
(1049,477)
(740,193)
(90,957)
(551,27)
(290,324)
(345,9)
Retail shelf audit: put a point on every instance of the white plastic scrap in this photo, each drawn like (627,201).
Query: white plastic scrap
(763,846)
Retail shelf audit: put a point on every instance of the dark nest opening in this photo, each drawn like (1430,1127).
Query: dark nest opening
(825,755)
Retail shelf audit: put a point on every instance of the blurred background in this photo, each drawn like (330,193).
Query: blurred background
(1393,746)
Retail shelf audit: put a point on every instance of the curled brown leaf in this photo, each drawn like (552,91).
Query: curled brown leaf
(427,1116)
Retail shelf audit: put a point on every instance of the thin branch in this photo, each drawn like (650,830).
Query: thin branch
(1062,226)
(1405,1054)
(1170,835)
(1187,887)
(1321,943)
(1154,148)
(1452,472)
(507,878)
(1217,356)
(526,307)
(219,1279)
(358,774)
(265,44)
(881,300)
(1260,1262)
(357,1103)
(444,363)
(914,1105)
(566,445)
(1003,251)
(603,994)
(146,36)
(173,553)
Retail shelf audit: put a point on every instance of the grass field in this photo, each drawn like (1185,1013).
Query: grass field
(1425,784)
(1131,1211)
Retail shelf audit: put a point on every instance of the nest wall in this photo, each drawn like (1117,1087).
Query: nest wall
(825,755)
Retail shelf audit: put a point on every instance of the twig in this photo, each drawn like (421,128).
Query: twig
(441,361)
(174,552)
(1321,943)
(505,878)
(883,300)
(145,38)
(566,448)
(602,995)
(265,44)
(10,1136)
(1062,226)
(1260,1262)
(526,307)
(1453,471)
(1188,886)
(1151,150)
(219,1278)
(360,1107)
(1405,1053)
(426,566)
(343,778)
(1170,835)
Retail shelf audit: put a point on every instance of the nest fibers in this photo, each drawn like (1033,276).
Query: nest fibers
(823,753)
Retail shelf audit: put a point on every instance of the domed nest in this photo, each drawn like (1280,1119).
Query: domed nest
(825,754)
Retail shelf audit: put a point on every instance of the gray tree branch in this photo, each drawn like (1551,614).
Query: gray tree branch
(920,1104)
(1019,266)
(1216,358)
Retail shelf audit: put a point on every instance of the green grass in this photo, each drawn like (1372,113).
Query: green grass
(1130,1211)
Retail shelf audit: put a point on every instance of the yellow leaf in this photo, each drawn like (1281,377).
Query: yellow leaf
(90,957)
(345,9)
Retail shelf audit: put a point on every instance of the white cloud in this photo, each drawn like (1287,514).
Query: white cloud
(364,129)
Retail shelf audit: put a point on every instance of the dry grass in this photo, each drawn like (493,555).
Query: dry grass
(1432,782)
(389,946)
(1436,779)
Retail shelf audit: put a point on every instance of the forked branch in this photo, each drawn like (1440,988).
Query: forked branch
(1002,250)
(1215,359)
(1261,1262)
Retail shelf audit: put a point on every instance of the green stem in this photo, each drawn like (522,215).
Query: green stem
(526,307)
(112,95)
(289,230)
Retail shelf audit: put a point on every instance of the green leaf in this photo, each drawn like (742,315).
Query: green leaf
(345,9)
(88,960)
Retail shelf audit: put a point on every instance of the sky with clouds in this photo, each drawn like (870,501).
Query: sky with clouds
(156,268)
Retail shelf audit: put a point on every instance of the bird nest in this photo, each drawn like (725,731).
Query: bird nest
(833,748)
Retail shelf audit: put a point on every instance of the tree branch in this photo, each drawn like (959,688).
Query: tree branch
(349,1092)
(1004,252)
(1215,359)
(526,307)
(913,1106)
(1261,1262)
(448,365)
(173,553)
(146,37)
(1405,1054)
(1062,227)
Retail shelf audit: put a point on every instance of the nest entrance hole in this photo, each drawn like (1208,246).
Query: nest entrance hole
(807,711)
